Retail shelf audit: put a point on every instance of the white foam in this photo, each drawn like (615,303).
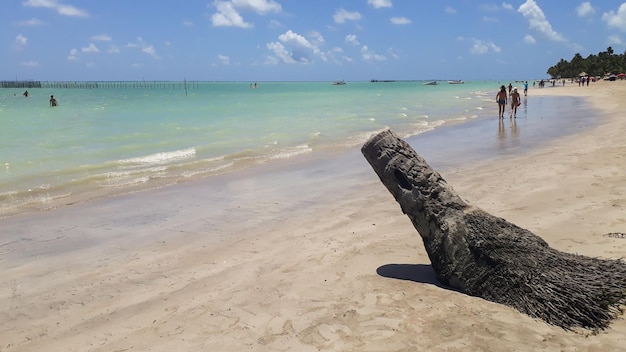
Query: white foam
(161,158)
(293,151)
(128,182)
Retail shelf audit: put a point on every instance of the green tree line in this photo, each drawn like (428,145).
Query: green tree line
(594,65)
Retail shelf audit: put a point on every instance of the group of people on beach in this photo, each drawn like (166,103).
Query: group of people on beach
(53,101)
(502,97)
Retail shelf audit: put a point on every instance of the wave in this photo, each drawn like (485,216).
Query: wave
(161,158)
(291,152)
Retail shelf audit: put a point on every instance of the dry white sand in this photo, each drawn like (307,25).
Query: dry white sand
(105,276)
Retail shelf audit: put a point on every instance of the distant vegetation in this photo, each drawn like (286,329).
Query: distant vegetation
(593,65)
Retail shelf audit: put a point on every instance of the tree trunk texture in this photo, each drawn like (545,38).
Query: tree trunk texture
(486,256)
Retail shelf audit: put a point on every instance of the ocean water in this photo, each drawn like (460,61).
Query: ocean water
(111,140)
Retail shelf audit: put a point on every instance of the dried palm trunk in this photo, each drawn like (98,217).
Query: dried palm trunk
(486,256)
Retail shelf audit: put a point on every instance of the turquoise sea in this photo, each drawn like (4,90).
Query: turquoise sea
(118,139)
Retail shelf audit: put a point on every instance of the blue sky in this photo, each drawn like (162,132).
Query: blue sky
(300,40)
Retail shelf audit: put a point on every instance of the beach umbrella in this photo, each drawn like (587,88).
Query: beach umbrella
(582,74)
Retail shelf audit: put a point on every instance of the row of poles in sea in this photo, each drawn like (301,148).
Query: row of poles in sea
(186,85)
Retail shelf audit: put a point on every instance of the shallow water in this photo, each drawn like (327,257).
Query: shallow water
(107,141)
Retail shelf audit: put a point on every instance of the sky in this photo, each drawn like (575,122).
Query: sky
(300,40)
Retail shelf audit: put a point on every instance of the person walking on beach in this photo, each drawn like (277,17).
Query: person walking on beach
(510,87)
(515,102)
(53,102)
(525,88)
(501,100)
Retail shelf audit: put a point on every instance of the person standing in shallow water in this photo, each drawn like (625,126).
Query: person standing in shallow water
(515,101)
(53,102)
(501,98)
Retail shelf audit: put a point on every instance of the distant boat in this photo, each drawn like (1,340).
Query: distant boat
(456,81)
(339,83)
(431,83)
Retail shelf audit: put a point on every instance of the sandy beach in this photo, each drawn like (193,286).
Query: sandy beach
(262,264)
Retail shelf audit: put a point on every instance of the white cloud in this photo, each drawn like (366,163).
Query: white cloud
(298,45)
(617,20)
(102,37)
(400,20)
(507,6)
(449,10)
(30,63)
(228,16)
(369,55)
(316,39)
(260,7)
(225,60)
(294,39)
(280,52)
(480,47)
(377,4)
(538,22)
(61,9)
(228,12)
(351,38)
(295,48)
(614,40)
(150,51)
(342,15)
(270,60)
(529,39)
(393,53)
(21,40)
(145,47)
(585,9)
(31,22)
(91,49)
(73,55)
(187,23)
(113,50)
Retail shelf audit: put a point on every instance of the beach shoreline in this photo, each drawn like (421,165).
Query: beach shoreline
(242,263)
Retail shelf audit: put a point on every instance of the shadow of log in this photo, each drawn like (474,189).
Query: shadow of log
(421,273)
(488,257)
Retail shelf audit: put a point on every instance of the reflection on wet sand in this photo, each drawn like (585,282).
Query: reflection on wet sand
(507,142)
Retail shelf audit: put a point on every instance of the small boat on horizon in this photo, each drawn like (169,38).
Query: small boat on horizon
(339,83)
(456,81)
(430,83)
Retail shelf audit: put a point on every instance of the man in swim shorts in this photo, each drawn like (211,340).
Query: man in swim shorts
(501,98)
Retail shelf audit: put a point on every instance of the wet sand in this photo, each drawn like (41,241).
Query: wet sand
(315,254)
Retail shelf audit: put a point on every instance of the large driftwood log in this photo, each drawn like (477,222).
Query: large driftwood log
(486,256)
